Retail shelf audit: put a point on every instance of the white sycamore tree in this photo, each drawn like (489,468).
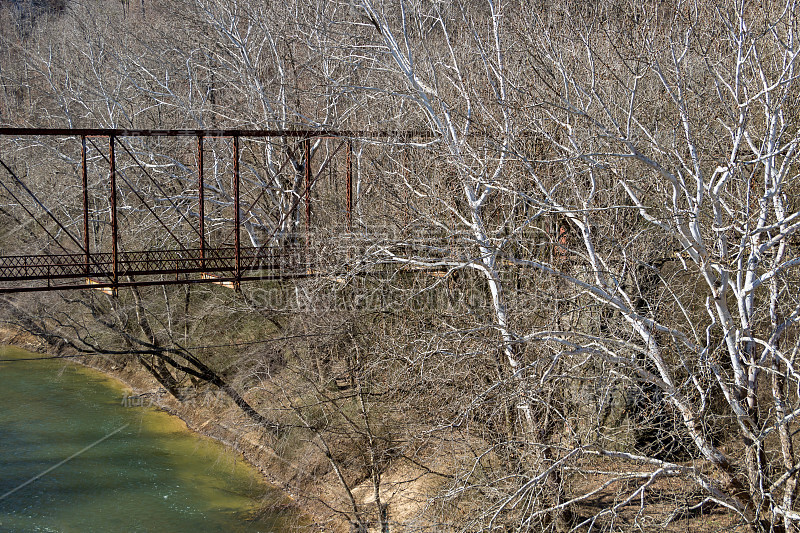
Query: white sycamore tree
(642,163)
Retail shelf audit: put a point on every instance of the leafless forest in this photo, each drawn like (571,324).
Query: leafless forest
(568,302)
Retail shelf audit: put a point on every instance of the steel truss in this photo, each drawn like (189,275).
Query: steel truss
(230,265)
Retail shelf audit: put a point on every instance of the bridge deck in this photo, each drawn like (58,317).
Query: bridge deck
(99,270)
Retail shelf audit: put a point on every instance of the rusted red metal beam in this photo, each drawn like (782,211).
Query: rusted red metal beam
(201,199)
(349,185)
(299,134)
(85,185)
(112,180)
(237,239)
(307,195)
(147,262)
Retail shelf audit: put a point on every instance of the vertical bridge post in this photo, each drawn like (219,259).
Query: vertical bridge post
(349,185)
(112,179)
(201,202)
(307,169)
(85,184)
(237,243)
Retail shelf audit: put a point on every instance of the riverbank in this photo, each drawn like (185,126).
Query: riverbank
(207,419)
(146,472)
(203,418)
(326,476)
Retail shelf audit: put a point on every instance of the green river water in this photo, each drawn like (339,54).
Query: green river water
(148,474)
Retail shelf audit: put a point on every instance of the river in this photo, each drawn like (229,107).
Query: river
(75,456)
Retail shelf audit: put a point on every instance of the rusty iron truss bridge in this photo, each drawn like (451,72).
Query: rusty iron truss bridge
(68,188)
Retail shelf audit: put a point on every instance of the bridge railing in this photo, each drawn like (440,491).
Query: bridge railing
(221,261)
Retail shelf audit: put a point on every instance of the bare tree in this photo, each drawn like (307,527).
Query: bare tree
(658,149)
(594,201)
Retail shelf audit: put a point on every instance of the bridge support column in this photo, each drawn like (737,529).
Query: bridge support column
(201,205)
(85,184)
(307,169)
(349,185)
(112,180)
(237,241)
